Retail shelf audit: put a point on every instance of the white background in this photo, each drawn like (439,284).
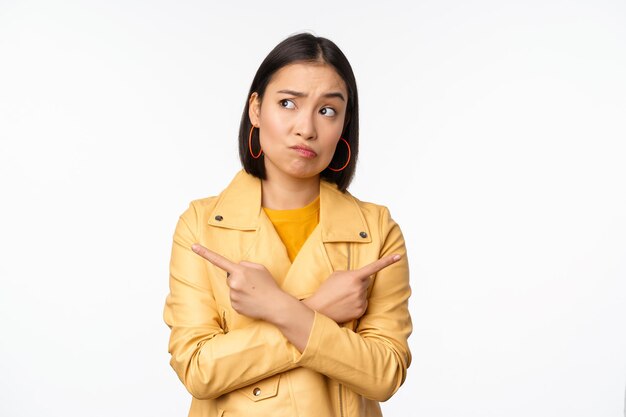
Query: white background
(493,130)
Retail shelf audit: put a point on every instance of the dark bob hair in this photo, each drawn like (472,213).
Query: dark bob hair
(305,47)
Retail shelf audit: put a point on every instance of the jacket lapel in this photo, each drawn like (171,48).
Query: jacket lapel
(269,251)
(327,248)
(239,208)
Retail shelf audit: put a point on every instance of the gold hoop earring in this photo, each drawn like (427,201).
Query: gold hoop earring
(347,162)
(250,145)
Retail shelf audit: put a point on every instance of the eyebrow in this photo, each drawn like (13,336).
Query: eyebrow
(336,94)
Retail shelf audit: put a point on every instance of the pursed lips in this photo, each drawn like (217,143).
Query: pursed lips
(304,151)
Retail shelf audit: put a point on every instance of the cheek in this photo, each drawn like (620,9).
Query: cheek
(337,127)
(272,126)
(332,133)
(329,146)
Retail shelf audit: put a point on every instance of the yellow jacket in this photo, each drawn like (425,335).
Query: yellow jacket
(236,366)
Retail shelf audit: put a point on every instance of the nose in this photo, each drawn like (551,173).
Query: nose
(305,126)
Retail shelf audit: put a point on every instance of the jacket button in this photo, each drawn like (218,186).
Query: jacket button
(363,235)
(219,218)
(256,391)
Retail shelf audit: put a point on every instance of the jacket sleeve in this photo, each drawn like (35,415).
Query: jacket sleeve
(209,360)
(372,361)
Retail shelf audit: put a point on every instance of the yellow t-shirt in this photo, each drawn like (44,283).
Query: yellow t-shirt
(294,226)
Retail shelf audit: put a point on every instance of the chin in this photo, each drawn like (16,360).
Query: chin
(303,172)
(297,169)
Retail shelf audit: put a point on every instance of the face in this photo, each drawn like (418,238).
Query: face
(300,119)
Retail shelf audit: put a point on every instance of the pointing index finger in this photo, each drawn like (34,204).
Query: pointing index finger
(213,257)
(374,267)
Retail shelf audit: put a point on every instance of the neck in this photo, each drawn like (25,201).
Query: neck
(282,192)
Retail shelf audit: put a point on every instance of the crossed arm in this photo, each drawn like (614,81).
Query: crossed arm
(371,361)
(254,293)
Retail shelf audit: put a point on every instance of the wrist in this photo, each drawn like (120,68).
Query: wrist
(311,302)
(285,308)
(294,319)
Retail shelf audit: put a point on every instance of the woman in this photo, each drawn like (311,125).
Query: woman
(288,296)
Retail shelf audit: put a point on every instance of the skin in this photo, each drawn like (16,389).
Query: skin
(300,120)
(304,105)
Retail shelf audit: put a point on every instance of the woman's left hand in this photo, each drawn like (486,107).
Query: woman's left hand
(253,290)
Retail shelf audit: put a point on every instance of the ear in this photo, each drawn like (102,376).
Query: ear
(254,109)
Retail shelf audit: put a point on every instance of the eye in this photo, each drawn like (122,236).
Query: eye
(287,104)
(327,111)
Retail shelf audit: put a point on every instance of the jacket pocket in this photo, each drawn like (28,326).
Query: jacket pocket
(254,399)
(261,390)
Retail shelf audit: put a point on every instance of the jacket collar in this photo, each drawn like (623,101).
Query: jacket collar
(239,207)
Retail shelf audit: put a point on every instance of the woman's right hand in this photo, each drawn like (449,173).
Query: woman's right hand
(343,296)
